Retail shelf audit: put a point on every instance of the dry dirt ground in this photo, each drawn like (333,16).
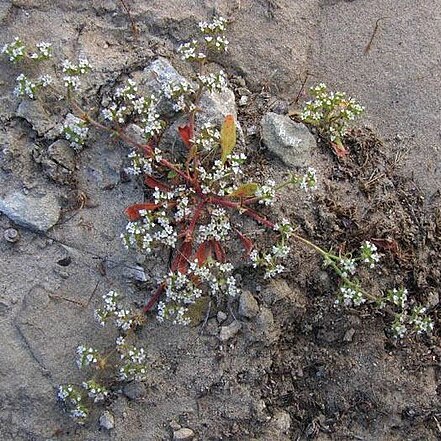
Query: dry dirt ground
(303,369)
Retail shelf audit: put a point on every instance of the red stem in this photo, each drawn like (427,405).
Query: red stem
(247,211)
(154,298)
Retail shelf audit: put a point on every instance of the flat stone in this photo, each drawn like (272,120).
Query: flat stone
(35,213)
(248,306)
(35,114)
(135,273)
(183,434)
(291,142)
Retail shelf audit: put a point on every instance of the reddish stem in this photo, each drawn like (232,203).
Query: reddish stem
(247,211)
(154,298)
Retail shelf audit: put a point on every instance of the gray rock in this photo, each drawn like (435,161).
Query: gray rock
(221,316)
(281,421)
(291,142)
(266,329)
(107,420)
(36,213)
(156,76)
(135,132)
(136,273)
(134,391)
(248,306)
(35,114)
(183,434)
(228,332)
(216,106)
(58,162)
(349,335)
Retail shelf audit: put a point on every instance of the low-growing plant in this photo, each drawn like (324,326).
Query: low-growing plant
(331,113)
(195,209)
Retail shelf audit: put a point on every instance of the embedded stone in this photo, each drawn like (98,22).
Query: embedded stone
(107,420)
(248,306)
(291,142)
(228,332)
(184,434)
(35,213)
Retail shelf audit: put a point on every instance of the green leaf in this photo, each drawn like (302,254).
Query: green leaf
(245,190)
(228,137)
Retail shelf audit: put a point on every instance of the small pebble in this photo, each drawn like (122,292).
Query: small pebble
(221,316)
(175,426)
(349,335)
(107,420)
(11,235)
(183,434)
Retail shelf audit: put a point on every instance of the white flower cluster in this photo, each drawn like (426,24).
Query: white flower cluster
(73,398)
(126,103)
(26,87)
(420,322)
(134,366)
(207,138)
(214,82)
(140,164)
(73,71)
(309,180)
(348,266)
(180,94)
(269,261)
(217,25)
(190,51)
(213,33)
(15,50)
(349,295)
(266,193)
(75,131)
(415,320)
(219,227)
(398,297)
(152,229)
(112,309)
(369,254)
(183,290)
(44,51)
(95,391)
(86,356)
(330,111)
(222,178)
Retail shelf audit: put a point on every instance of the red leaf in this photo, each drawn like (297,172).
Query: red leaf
(387,244)
(339,149)
(181,261)
(186,133)
(246,242)
(219,251)
(203,253)
(132,212)
(152,182)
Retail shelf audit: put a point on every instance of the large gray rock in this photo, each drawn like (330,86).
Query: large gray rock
(36,115)
(36,213)
(291,142)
